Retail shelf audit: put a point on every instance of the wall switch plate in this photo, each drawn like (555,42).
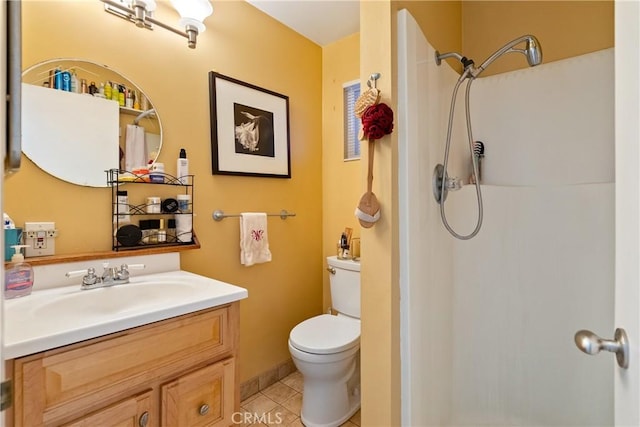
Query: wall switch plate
(40,236)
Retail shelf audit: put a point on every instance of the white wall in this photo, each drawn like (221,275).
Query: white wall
(488,324)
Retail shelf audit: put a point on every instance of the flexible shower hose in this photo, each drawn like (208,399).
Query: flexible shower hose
(443,215)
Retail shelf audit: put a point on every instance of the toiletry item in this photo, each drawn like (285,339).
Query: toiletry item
(136,100)
(153,205)
(66,81)
(184,203)
(355,248)
(142,174)
(156,174)
(12,237)
(162,233)
(115,92)
(18,277)
(343,249)
(184,225)
(121,95)
(171,231)
(93,89)
(154,228)
(74,82)
(52,81)
(145,226)
(169,205)
(129,235)
(101,90)
(129,100)
(121,208)
(144,103)
(182,167)
(107,90)
(57,78)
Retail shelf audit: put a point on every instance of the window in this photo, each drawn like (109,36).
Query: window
(350,93)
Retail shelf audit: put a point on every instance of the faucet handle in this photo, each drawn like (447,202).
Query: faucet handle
(123,274)
(76,273)
(89,275)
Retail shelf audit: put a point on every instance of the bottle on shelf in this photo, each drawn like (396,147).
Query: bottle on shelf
(182,167)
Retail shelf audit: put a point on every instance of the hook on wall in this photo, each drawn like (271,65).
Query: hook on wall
(373,80)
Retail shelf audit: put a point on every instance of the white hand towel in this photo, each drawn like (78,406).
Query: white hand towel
(254,242)
(136,149)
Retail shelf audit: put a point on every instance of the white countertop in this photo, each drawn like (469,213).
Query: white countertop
(60,316)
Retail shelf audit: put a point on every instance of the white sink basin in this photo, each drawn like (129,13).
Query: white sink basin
(50,318)
(112,300)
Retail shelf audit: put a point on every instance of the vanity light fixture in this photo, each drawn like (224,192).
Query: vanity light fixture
(140,12)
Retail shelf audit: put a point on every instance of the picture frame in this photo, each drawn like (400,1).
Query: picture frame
(249,129)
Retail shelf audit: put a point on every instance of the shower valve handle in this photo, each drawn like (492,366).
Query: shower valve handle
(453,184)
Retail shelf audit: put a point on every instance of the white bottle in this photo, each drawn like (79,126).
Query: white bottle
(74,82)
(182,167)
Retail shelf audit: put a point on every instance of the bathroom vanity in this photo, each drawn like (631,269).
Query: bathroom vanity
(110,356)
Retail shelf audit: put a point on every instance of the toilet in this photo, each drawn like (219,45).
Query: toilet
(326,351)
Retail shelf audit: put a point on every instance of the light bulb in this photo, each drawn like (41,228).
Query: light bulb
(193,12)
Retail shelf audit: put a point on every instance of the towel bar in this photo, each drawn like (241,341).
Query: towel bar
(219,215)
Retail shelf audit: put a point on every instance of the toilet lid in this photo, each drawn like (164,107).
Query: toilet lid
(326,334)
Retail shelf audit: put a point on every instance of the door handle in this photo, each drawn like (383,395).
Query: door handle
(591,344)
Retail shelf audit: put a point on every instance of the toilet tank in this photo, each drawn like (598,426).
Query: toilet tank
(344,278)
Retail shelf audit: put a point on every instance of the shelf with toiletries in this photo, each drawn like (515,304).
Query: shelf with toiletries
(141,220)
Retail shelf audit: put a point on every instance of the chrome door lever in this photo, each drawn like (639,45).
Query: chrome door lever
(591,344)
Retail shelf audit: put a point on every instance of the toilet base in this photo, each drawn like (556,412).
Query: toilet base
(338,401)
(354,406)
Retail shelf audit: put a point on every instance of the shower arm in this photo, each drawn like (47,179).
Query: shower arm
(474,72)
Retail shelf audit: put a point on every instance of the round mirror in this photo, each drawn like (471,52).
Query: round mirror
(80,119)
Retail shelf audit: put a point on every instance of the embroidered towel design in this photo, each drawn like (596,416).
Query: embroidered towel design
(254,241)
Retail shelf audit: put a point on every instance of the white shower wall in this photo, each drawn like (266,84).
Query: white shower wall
(488,324)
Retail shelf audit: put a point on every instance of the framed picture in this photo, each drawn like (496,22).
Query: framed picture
(249,129)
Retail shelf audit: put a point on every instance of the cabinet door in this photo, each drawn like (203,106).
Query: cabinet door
(132,412)
(202,398)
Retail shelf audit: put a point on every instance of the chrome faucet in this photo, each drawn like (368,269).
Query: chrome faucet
(110,276)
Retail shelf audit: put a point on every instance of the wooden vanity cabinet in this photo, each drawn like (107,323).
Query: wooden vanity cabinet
(176,372)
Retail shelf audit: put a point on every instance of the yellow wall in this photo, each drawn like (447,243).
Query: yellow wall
(340,179)
(240,42)
(564,29)
(379,343)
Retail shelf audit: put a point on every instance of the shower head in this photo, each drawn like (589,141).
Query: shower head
(532,51)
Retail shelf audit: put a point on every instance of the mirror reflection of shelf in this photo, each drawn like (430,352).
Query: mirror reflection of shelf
(133,112)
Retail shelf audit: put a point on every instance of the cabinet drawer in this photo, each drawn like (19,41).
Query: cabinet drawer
(132,412)
(115,365)
(202,398)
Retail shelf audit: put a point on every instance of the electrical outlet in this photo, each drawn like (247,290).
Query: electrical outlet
(40,236)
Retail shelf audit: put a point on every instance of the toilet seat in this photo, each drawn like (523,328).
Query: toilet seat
(326,334)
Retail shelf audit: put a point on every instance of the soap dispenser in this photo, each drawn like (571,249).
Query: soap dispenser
(18,277)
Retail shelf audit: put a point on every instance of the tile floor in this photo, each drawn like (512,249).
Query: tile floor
(279,405)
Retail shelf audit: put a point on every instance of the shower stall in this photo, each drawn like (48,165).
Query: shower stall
(488,323)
